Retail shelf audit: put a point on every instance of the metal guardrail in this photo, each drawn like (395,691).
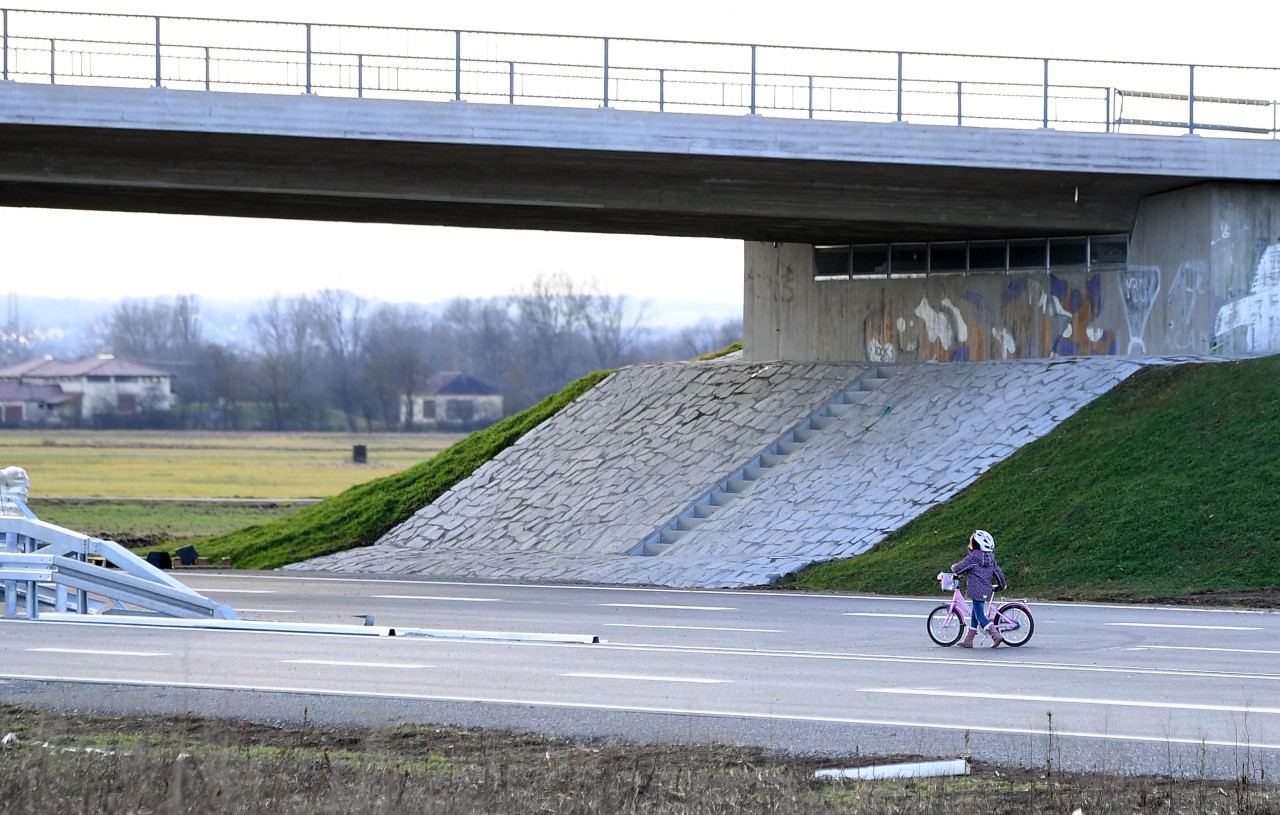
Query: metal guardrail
(46,567)
(204,54)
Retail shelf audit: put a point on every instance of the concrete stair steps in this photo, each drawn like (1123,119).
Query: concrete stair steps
(740,482)
(705,510)
(670,536)
(720,498)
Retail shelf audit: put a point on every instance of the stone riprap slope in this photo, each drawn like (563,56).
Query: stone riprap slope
(574,499)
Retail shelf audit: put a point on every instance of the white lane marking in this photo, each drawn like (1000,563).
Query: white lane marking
(269,610)
(239,591)
(681,608)
(881,614)
(100,653)
(790,595)
(1197,648)
(695,628)
(1074,700)
(341,664)
(995,664)
(435,597)
(1178,625)
(642,678)
(1110,736)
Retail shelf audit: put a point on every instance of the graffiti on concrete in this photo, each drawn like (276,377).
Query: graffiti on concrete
(1033,320)
(1257,314)
(1062,319)
(1139,288)
(1180,304)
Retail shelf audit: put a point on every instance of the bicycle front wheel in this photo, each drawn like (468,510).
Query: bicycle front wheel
(945,627)
(1015,624)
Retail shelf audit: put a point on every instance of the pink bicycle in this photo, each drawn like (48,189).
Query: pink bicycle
(948,621)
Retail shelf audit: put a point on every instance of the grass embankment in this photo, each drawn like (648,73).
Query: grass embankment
(106,765)
(1165,486)
(363,513)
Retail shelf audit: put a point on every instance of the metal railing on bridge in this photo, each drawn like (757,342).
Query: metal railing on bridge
(203,54)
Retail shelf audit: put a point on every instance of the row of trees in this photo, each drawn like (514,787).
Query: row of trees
(334,359)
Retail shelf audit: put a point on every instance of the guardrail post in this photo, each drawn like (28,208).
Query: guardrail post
(753,80)
(899,86)
(1107,99)
(1191,100)
(457,66)
(53,51)
(606,72)
(206,68)
(662,89)
(158,82)
(959,104)
(810,96)
(6,44)
(308,25)
(1046,93)
(511,83)
(359,76)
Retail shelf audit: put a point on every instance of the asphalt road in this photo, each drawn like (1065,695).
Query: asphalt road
(1116,688)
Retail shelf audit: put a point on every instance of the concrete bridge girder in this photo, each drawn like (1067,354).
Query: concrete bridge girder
(462,164)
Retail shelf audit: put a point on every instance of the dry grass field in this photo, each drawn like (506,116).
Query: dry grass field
(167,464)
(78,762)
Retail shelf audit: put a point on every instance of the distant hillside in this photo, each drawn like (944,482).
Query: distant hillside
(1166,486)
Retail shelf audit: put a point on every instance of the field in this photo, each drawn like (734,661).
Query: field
(142,464)
(84,763)
(136,487)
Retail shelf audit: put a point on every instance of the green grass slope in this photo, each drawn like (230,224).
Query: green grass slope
(362,514)
(1168,485)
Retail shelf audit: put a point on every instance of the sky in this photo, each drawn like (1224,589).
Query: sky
(130,255)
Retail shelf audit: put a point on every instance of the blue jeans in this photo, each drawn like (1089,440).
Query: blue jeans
(980,614)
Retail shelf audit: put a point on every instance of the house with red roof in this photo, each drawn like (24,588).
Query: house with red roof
(48,391)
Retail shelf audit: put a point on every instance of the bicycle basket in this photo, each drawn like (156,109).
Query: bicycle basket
(948,581)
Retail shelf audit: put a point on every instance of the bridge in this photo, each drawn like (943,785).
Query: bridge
(896,206)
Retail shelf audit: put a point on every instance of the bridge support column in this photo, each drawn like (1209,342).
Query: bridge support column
(1202,276)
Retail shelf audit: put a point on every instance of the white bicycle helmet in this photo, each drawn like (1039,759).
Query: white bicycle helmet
(984,540)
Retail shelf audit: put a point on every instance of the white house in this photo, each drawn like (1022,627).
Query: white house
(50,391)
(452,400)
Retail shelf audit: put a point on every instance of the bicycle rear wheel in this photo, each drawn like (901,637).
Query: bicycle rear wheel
(1015,624)
(945,627)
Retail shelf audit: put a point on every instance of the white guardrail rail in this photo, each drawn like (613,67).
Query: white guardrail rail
(46,568)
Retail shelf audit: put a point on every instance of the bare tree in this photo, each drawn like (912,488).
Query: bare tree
(605,319)
(549,349)
(17,339)
(397,362)
(339,321)
(287,348)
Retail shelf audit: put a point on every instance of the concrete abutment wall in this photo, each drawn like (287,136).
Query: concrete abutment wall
(1203,276)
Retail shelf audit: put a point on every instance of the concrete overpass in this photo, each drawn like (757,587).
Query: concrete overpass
(603,170)
(912,194)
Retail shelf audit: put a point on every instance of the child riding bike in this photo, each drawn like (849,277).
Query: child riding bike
(980,572)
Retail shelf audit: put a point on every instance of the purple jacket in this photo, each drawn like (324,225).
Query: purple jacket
(980,570)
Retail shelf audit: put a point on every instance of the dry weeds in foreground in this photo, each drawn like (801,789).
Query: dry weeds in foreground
(72,763)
